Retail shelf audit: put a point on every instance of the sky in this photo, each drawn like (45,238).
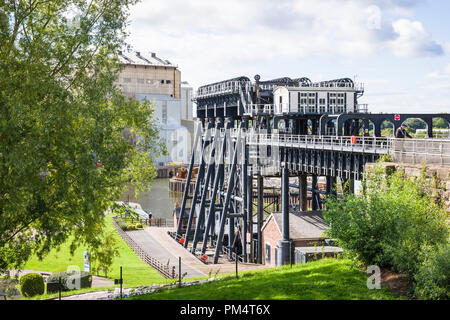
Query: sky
(399,49)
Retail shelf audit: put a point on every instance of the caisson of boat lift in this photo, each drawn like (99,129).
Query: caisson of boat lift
(253,131)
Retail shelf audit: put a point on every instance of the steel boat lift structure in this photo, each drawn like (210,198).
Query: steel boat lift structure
(246,134)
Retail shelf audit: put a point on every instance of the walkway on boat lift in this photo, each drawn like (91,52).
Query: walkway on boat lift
(158,243)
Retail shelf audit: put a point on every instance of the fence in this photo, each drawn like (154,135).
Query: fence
(165,270)
(416,151)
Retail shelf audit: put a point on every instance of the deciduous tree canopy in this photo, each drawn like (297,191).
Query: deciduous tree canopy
(63,156)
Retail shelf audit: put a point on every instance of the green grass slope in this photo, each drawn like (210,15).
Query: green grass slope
(328,279)
(135,272)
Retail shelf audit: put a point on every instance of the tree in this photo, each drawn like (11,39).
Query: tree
(104,253)
(394,224)
(63,156)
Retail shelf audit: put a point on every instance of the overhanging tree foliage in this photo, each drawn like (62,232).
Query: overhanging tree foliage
(63,156)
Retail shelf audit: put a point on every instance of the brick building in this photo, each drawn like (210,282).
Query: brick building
(305,231)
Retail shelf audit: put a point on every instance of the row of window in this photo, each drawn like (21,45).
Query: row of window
(310,99)
(147,81)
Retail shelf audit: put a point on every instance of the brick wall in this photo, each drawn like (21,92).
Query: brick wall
(270,235)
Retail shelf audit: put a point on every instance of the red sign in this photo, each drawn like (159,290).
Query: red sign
(397,117)
(204,257)
(182,240)
(353,139)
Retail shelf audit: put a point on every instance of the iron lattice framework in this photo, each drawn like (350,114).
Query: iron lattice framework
(241,139)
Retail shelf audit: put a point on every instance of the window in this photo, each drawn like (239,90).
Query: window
(162,81)
(168,81)
(268,251)
(322,101)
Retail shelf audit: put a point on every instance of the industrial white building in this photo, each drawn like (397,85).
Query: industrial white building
(148,77)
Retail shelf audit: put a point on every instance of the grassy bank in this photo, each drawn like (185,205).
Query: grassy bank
(135,272)
(327,279)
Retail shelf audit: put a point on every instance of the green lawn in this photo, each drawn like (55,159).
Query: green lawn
(320,280)
(135,272)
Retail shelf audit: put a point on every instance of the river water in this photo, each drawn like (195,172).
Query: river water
(159,200)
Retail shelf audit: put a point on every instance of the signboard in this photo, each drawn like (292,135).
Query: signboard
(182,240)
(87,261)
(204,257)
(397,117)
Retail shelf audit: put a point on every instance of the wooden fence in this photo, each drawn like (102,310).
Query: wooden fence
(165,270)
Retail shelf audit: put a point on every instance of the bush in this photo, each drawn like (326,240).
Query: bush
(391,224)
(70,280)
(138,225)
(433,277)
(31,284)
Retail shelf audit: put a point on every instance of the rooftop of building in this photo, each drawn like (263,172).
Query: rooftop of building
(144,59)
(302,225)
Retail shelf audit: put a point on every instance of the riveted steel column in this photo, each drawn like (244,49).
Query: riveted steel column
(197,137)
(226,203)
(245,178)
(284,244)
(302,192)
(197,187)
(211,164)
(210,224)
(260,208)
(314,197)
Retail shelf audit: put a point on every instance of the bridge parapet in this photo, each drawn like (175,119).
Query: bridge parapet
(416,151)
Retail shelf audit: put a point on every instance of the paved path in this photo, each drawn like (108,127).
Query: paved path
(170,247)
(150,243)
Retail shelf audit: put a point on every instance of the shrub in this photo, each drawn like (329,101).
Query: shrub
(391,224)
(70,280)
(433,277)
(31,284)
(138,225)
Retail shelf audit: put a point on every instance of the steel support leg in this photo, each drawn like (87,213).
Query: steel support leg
(302,192)
(284,244)
(198,183)
(226,203)
(260,208)
(201,214)
(197,137)
(314,194)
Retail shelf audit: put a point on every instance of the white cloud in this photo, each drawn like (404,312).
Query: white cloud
(443,73)
(413,40)
(214,40)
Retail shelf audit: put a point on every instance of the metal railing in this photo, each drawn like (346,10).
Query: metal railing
(229,87)
(332,143)
(165,270)
(416,151)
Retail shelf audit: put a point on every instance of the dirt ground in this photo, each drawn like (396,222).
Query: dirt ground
(397,282)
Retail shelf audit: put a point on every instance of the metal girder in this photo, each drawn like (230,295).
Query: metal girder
(203,201)
(186,196)
(226,204)
(197,188)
